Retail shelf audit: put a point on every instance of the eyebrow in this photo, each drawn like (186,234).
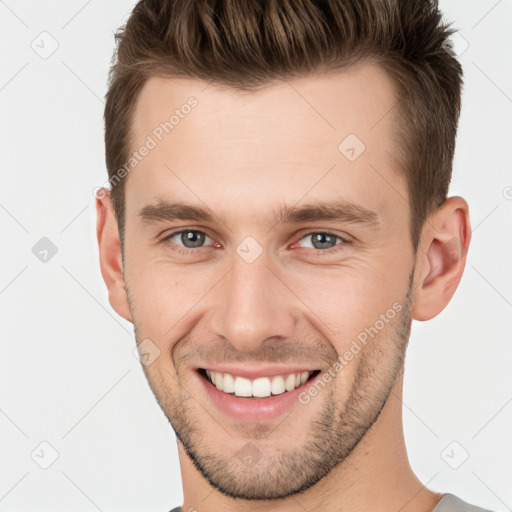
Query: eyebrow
(337,210)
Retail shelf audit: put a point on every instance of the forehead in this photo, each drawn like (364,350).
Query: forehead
(314,107)
(319,135)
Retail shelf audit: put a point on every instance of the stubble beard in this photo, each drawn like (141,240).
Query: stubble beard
(332,435)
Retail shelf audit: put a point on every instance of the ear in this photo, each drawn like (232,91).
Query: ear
(109,246)
(441,257)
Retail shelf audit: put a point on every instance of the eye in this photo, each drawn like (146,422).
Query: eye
(188,238)
(324,241)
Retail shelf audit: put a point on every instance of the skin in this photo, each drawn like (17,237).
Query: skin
(295,303)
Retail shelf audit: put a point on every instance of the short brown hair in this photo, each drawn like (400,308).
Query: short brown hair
(247,44)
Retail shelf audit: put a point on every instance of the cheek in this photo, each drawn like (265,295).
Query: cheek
(166,296)
(347,304)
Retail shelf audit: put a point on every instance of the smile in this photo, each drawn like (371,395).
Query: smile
(261,387)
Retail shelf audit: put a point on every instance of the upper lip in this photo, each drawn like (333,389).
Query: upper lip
(253,372)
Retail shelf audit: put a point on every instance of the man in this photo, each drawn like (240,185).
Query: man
(278,216)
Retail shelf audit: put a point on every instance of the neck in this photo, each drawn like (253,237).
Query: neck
(376,476)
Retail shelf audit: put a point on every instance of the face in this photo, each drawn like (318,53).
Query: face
(299,262)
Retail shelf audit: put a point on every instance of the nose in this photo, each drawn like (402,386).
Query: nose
(253,304)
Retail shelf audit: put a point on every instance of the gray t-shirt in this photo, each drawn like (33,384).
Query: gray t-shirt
(448,503)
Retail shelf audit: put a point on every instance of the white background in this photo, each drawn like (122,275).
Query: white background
(67,369)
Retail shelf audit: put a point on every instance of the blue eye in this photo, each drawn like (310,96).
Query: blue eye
(188,241)
(321,240)
(190,238)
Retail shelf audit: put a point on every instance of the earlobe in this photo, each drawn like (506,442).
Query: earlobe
(441,258)
(111,263)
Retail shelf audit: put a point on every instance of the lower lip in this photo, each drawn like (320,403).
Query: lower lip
(253,409)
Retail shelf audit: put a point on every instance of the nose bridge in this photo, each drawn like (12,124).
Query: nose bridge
(253,305)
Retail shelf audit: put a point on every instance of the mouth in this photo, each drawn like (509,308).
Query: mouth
(260,388)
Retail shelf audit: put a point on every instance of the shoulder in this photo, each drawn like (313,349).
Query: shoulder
(451,503)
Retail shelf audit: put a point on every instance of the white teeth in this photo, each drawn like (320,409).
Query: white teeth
(219,381)
(229,383)
(289,383)
(261,387)
(278,385)
(243,387)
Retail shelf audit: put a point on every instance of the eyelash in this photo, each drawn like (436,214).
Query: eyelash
(316,252)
